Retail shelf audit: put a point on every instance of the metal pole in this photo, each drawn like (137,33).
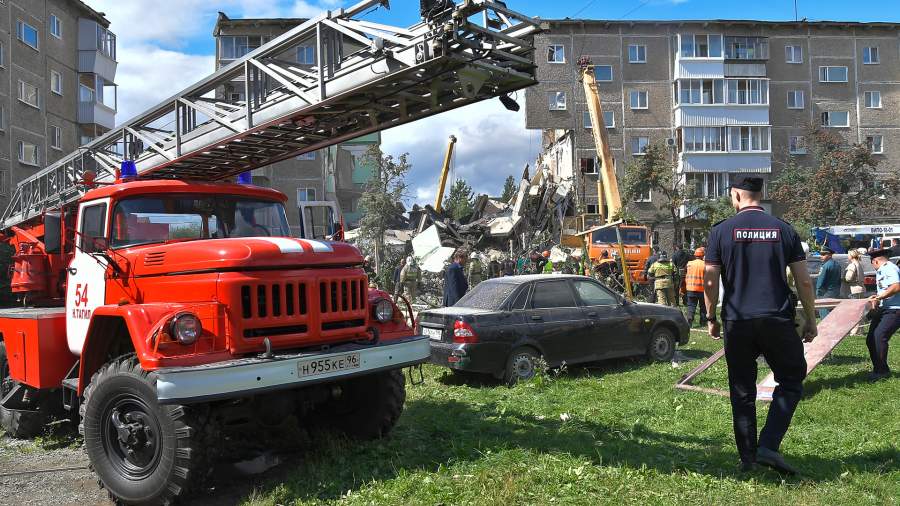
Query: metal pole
(444,171)
(626,275)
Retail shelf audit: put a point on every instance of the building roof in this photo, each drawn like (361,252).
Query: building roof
(100,17)
(223,21)
(728,22)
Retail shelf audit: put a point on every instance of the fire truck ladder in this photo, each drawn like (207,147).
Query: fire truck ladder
(370,77)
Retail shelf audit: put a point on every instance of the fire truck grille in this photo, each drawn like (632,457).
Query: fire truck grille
(273,300)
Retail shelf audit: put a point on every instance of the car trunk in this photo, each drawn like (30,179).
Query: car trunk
(437,324)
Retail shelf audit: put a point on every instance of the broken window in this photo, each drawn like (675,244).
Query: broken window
(836,119)
(797,145)
(556,53)
(875,143)
(557,100)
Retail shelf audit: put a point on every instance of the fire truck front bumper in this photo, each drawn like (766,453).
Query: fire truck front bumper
(248,376)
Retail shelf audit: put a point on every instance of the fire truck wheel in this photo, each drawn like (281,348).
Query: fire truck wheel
(369,405)
(18,424)
(142,452)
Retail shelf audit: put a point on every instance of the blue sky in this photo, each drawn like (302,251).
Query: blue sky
(161,52)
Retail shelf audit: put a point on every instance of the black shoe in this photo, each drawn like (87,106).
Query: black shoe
(775,460)
(878,376)
(746,466)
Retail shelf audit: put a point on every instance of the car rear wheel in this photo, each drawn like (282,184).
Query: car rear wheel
(662,345)
(522,365)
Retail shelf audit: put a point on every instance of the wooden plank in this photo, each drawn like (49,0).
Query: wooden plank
(832,330)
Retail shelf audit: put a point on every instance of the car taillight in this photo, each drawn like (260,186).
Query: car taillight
(464,333)
(870,280)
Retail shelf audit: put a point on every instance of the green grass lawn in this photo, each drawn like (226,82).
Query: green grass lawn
(611,433)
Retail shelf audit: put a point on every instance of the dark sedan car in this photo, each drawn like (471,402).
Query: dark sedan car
(504,325)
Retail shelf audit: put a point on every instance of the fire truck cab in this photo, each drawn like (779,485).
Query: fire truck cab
(154,308)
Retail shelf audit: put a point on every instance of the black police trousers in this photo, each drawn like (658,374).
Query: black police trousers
(881,328)
(777,340)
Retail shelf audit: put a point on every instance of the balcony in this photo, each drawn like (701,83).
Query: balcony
(733,162)
(711,115)
(96,113)
(96,49)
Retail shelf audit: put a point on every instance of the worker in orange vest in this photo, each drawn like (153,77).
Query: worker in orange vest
(693,282)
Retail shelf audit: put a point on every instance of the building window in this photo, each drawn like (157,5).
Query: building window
(639,145)
(55,137)
(28,153)
(557,100)
(603,73)
(701,45)
(556,53)
(707,184)
(55,27)
(875,143)
(748,139)
(871,56)
(56,82)
(637,53)
(306,194)
(609,119)
(237,46)
(797,145)
(639,100)
(306,55)
(836,119)
(85,93)
(27,33)
(2,118)
(28,93)
(748,91)
(646,196)
(307,156)
(793,54)
(234,97)
(701,91)
(592,209)
(106,42)
(704,139)
(873,99)
(746,48)
(589,165)
(833,74)
(795,99)
(2,54)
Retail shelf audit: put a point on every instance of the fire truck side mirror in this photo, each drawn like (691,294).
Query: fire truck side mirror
(100,244)
(52,233)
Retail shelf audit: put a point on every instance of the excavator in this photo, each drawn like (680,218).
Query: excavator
(630,241)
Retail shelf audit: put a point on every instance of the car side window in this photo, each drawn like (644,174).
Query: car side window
(521,299)
(551,294)
(592,294)
(93,225)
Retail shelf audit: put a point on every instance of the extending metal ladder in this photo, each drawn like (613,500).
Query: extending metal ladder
(370,77)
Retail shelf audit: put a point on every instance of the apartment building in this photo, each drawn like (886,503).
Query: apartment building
(729,98)
(57,83)
(338,173)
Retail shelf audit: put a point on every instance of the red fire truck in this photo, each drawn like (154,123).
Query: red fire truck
(160,299)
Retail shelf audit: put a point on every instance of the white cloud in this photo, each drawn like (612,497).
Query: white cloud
(492,144)
(147,75)
(304,9)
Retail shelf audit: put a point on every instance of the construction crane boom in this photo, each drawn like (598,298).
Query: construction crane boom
(369,77)
(445,170)
(608,180)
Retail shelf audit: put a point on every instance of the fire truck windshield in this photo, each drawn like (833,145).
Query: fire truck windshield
(630,236)
(155,219)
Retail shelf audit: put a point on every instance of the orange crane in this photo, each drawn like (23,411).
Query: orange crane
(632,242)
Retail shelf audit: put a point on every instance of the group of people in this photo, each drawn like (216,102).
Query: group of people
(679,280)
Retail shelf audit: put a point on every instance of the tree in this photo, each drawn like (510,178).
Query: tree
(841,186)
(459,201)
(381,200)
(655,172)
(509,189)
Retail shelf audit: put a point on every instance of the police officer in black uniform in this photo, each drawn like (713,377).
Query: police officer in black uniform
(750,252)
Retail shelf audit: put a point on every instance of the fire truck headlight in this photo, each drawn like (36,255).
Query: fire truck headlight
(186,328)
(384,311)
